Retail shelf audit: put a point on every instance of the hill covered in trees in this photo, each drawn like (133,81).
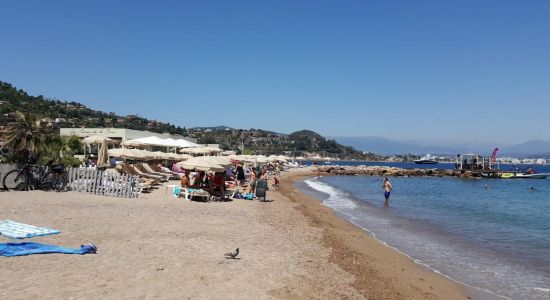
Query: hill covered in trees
(73,114)
(59,113)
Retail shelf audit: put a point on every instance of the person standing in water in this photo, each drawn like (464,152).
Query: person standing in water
(387,190)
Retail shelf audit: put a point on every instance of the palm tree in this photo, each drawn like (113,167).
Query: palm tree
(26,134)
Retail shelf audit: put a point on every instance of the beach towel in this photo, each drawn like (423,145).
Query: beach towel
(16,230)
(21,249)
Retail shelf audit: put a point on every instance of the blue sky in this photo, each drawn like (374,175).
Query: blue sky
(417,70)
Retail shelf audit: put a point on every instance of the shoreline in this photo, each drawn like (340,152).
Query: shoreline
(380,271)
(159,246)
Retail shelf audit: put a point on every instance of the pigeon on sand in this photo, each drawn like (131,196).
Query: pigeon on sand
(233,254)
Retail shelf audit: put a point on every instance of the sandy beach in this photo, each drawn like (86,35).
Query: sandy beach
(158,246)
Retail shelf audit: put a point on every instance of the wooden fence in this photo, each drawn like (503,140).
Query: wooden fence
(102,183)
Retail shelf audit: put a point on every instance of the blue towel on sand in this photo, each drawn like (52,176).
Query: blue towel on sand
(20,249)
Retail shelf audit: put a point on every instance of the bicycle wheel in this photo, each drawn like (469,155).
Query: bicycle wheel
(15,180)
(54,181)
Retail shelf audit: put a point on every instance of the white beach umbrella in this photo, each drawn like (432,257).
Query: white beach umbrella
(103,155)
(201,164)
(184,156)
(186,144)
(98,139)
(126,153)
(146,141)
(223,161)
(162,155)
(196,150)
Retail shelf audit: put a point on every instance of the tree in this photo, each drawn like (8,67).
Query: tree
(26,134)
(56,146)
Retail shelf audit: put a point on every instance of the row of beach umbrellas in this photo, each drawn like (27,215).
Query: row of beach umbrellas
(220,163)
(186,161)
(139,154)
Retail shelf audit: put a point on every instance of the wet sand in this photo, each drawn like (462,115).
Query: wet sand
(158,246)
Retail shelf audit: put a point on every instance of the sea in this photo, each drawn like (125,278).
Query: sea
(489,234)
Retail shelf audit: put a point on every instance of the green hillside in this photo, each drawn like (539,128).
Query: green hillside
(73,114)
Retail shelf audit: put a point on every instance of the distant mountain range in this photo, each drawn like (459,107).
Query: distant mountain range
(386,146)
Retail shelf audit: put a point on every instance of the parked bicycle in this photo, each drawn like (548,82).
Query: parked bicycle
(32,177)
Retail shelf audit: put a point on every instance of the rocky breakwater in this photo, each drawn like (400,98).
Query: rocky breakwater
(393,171)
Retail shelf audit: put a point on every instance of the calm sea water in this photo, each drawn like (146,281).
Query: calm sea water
(493,234)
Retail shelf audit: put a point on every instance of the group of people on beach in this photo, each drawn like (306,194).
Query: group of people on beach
(240,177)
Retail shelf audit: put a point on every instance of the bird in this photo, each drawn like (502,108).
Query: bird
(233,254)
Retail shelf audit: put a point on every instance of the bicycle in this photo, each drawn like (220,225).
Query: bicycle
(48,177)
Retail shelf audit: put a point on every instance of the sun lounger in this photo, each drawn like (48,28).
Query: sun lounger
(162,169)
(189,193)
(147,168)
(141,173)
(127,169)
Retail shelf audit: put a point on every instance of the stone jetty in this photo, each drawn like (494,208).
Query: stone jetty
(393,171)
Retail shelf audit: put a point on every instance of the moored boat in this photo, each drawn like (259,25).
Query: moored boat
(426,160)
(531,176)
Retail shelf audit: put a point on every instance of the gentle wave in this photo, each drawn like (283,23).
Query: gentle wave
(337,199)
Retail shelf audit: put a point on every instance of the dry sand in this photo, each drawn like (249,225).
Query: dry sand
(157,246)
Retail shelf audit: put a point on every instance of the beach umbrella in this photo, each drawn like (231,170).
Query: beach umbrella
(223,161)
(183,156)
(98,139)
(127,153)
(196,150)
(201,164)
(186,144)
(214,150)
(162,155)
(103,155)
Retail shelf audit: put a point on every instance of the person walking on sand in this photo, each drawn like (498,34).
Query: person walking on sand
(387,190)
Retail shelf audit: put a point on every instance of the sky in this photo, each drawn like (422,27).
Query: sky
(411,70)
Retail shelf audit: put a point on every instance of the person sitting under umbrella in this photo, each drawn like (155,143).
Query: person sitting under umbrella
(217,186)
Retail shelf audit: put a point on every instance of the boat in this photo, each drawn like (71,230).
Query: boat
(516,175)
(531,176)
(426,160)
(507,175)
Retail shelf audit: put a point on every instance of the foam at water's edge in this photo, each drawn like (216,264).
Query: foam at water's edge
(338,199)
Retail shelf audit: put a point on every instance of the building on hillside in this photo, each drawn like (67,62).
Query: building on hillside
(119,134)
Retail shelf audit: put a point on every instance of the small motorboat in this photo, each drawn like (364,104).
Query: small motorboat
(531,176)
(426,160)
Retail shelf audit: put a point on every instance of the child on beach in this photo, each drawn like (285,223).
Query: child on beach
(276,183)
